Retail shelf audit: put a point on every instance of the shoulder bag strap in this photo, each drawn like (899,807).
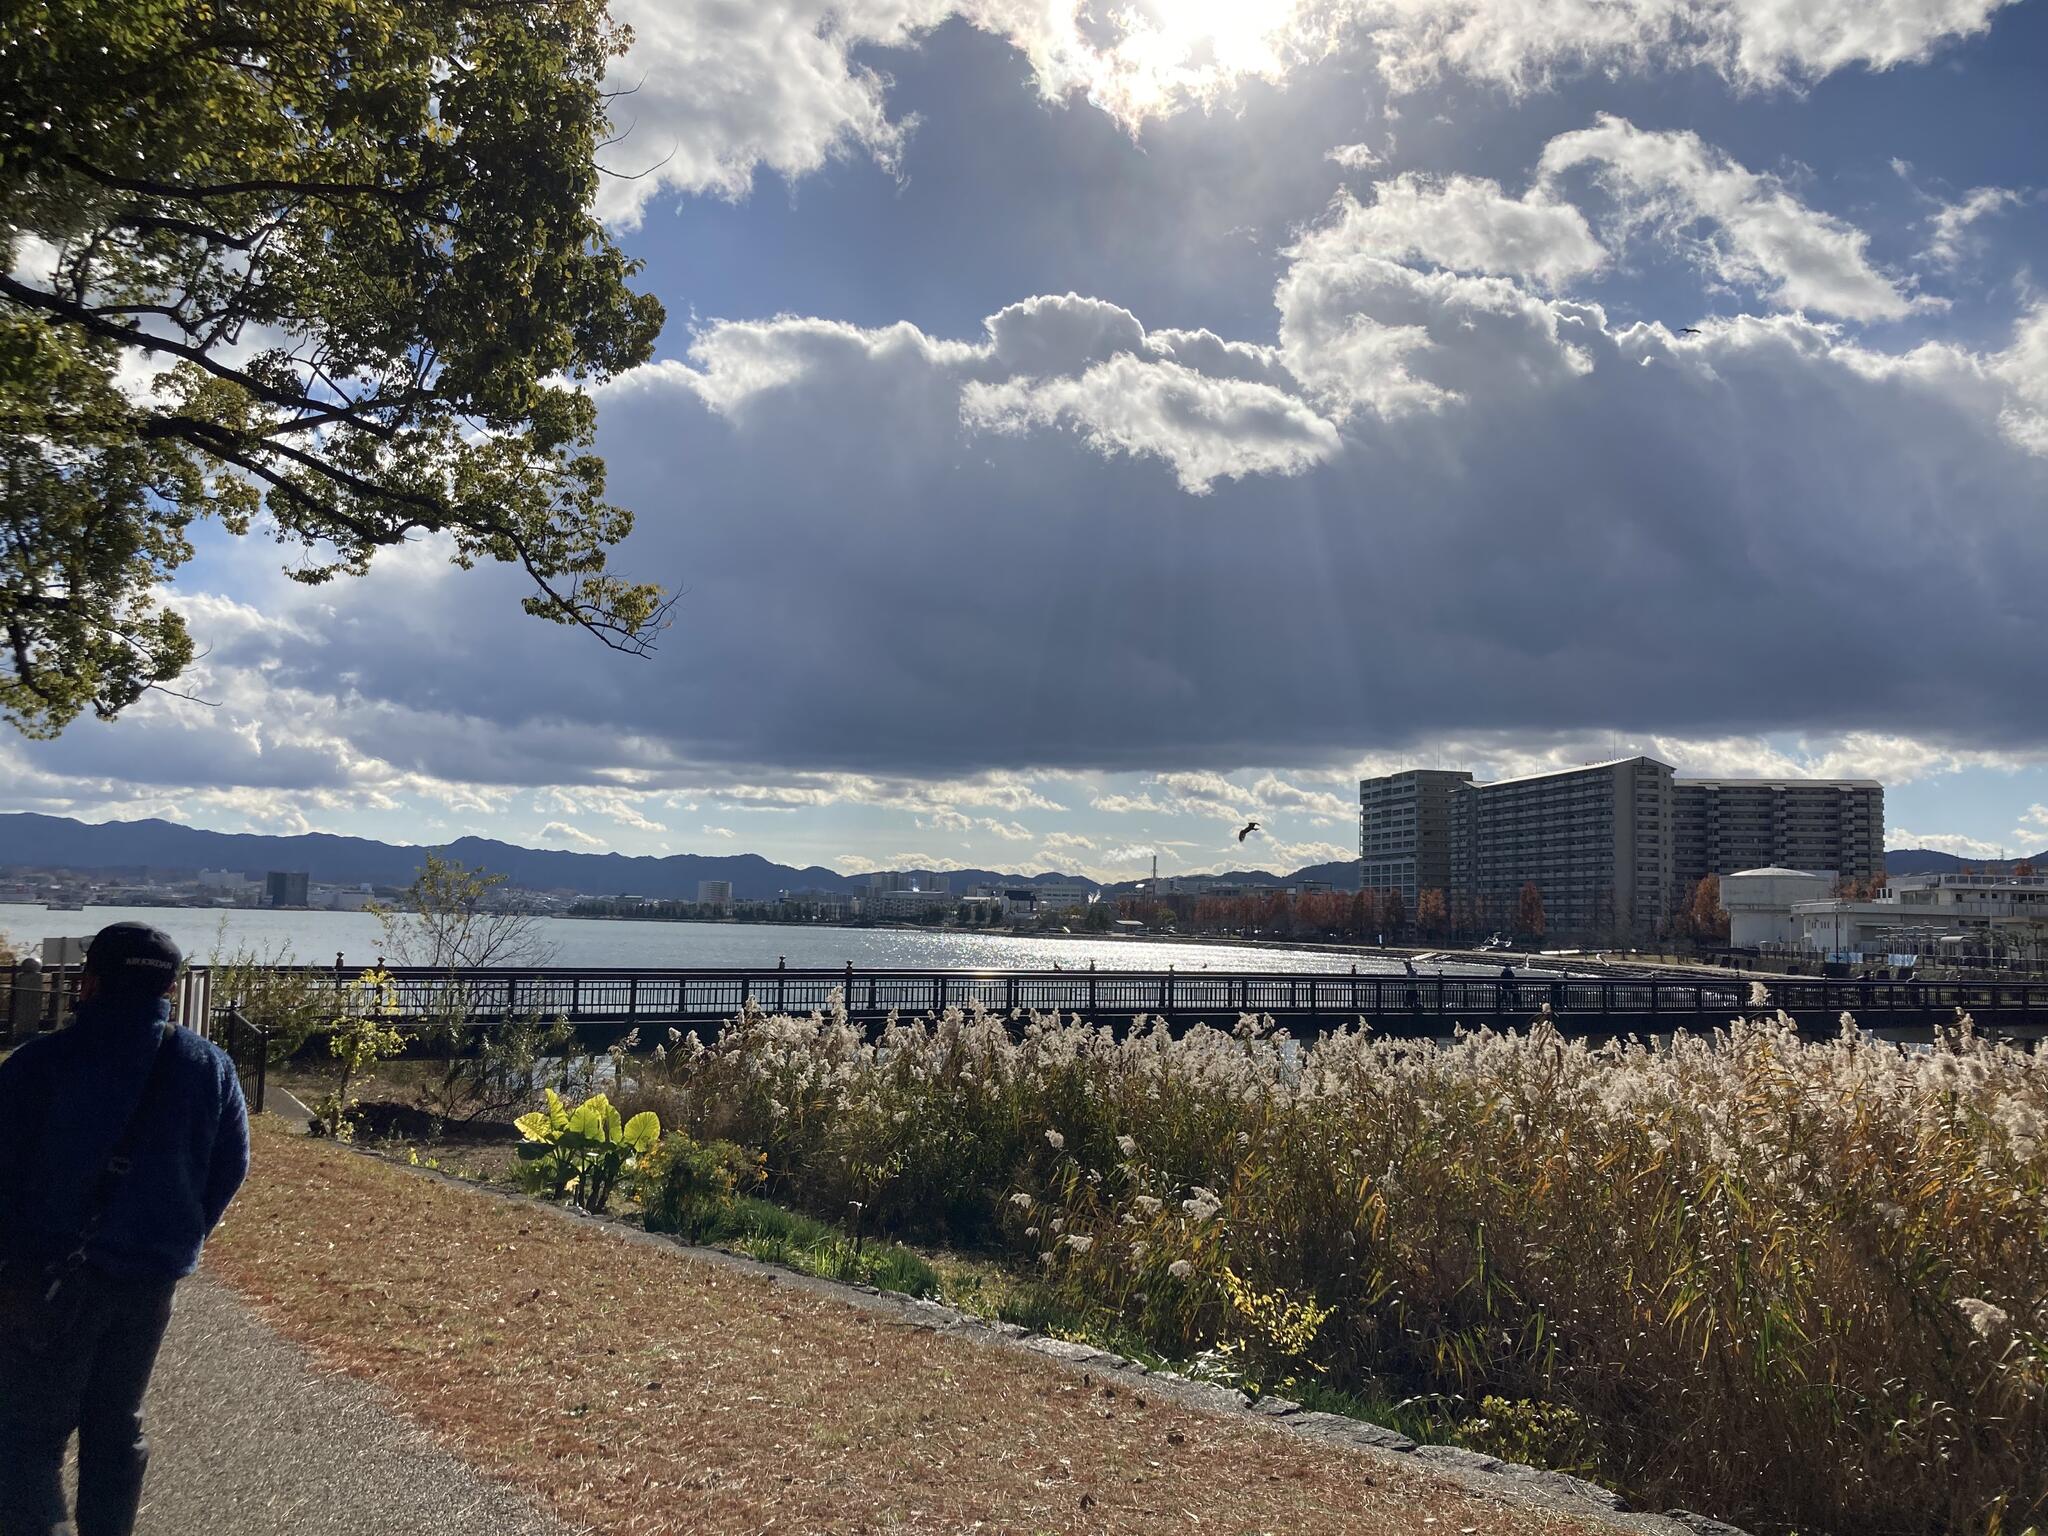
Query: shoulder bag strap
(121,1159)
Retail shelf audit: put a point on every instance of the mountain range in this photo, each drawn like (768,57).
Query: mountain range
(164,848)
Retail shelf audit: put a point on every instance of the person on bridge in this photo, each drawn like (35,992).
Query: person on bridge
(122,1139)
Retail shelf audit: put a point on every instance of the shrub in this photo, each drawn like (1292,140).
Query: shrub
(690,1187)
(360,1040)
(582,1153)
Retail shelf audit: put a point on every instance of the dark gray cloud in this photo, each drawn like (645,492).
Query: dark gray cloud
(1552,523)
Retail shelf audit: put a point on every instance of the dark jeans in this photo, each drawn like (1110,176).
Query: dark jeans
(88,1378)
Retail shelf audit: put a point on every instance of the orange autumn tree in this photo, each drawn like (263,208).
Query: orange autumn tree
(1705,918)
(1529,911)
(1432,914)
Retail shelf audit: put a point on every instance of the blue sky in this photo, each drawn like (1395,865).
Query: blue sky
(1076,432)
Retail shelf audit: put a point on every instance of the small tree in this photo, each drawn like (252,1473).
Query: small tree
(447,920)
(360,1040)
(1705,918)
(1393,912)
(1432,914)
(2024,868)
(1529,910)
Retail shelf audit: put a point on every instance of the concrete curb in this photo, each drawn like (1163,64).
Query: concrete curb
(1511,1482)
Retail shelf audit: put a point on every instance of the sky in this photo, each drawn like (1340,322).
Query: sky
(1081,430)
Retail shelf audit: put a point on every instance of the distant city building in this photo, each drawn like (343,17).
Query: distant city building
(286,888)
(1933,916)
(1594,841)
(715,893)
(1759,903)
(1832,826)
(1613,848)
(226,881)
(928,885)
(1063,895)
(1404,831)
(904,903)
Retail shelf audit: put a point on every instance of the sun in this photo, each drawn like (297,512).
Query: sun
(1151,58)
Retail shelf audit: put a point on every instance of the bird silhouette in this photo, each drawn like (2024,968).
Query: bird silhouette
(1688,330)
(1249,828)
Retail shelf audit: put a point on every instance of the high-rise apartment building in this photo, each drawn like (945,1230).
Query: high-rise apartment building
(1404,831)
(1613,847)
(1825,826)
(1594,841)
(286,888)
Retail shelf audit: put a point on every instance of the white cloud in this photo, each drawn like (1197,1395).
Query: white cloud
(1751,42)
(1470,224)
(723,832)
(1950,224)
(718,92)
(1128,805)
(1202,788)
(1745,229)
(1272,791)
(1354,157)
(1062,841)
(2023,368)
(563,832)
(1207,429)
(1944,842)
(1366,333)
(1008,831)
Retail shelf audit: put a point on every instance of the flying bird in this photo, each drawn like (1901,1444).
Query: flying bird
(1688,330)
(1249,828)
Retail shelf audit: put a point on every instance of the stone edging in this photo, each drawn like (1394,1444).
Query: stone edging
(1513,1482)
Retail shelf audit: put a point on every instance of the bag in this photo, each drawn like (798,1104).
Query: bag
(42,1302)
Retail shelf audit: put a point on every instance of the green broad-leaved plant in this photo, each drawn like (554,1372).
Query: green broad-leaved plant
(583,1153)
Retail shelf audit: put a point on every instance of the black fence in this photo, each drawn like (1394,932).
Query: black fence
(604,1006)
(675,998)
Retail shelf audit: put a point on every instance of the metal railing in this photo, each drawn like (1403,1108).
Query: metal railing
(675,996)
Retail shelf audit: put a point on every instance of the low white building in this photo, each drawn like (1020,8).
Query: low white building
(1933,914)
(1063,895)
(895,904)
(1759,904)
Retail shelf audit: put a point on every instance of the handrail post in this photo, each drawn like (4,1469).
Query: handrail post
(633,1001)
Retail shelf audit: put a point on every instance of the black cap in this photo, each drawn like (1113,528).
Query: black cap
(134,957)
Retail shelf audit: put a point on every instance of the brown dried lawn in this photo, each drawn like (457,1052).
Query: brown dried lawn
(637,1389)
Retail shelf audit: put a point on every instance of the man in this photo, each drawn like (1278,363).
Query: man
(122,1139)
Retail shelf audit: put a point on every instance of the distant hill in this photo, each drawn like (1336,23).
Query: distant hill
(1930,861)
(164,848)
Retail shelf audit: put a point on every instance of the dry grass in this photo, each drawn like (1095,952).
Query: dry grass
(637,1390)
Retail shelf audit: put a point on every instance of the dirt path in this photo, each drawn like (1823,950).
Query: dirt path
(630,1387)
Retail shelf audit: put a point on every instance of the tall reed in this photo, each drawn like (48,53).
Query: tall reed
(1803,1284)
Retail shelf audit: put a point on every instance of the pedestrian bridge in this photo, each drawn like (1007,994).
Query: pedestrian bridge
(605,1005)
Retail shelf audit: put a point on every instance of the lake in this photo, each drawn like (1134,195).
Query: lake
(316,937)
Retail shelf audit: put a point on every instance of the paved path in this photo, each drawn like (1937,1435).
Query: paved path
(250,1440)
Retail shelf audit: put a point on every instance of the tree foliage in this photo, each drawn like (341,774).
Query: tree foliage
(1529,918)
(1705,918)
(448,919)
(324,270)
